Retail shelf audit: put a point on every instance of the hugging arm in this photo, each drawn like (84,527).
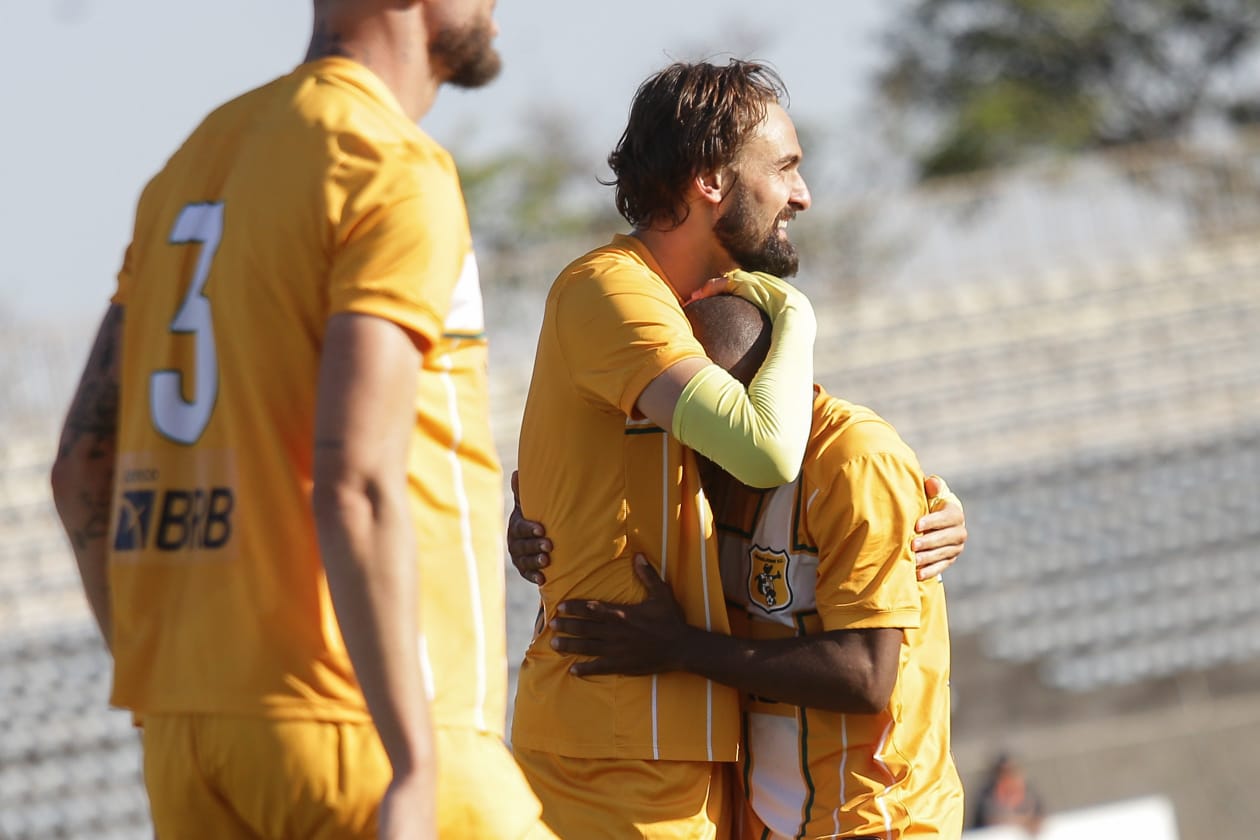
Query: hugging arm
(942,535)
(850,671)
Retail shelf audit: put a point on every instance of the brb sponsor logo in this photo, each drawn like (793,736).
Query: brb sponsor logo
(174,520)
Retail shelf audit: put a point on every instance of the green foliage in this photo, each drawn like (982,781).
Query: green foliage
(982,83)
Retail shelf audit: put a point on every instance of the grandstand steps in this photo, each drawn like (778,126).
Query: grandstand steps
(69,766)
(1015,373)
(39,584)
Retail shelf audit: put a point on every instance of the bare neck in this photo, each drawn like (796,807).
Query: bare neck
(392,46)
(688,254)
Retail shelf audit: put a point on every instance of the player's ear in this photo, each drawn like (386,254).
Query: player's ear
(711,186)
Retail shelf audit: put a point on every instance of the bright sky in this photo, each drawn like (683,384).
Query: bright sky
(100,93)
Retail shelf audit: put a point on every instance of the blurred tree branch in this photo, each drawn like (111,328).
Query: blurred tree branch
(984,83)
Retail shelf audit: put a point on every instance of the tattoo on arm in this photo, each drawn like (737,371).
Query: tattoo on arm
(91,431)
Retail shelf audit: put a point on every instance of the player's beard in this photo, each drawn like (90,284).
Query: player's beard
(752,247)
(467,53)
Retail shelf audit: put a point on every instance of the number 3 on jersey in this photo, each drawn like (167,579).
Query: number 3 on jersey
(173,416)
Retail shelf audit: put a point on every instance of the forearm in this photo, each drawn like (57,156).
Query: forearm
(82,492)
(83,472)
(368,551)
(759,435)
(820,672)
(838,670)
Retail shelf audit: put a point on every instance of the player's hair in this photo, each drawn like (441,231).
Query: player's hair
(734,332)
(686,120)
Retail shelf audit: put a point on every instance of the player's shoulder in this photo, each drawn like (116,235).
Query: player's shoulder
(348,104)
(215,138)
(617,269)
(844,431)
(618,258)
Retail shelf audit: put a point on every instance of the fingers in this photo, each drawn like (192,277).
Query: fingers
(529,566)
(947,517)
(589,609)
(580,646)
(520,528)
(535,551)
(716,286)
(598,667)
(932,563)
(932,569)
(575,628)
(942,533)
(937,553)
(940,538)
(938,492)
(649,577)
(530,554)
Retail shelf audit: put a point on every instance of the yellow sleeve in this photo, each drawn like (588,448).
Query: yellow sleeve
(400,242)
(862,521)
(619,327)
(146,212)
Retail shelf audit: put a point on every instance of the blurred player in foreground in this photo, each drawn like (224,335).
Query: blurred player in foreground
(277,473)
(840,652)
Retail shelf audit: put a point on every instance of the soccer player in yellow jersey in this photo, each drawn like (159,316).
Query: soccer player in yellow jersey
(841,653)
(708,175)
(277,472)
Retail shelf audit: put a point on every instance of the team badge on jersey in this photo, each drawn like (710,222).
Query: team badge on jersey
(768,585)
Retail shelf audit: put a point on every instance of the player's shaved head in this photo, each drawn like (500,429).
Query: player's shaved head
(734,332)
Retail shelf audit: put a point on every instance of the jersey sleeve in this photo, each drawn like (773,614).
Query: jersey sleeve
(862,522)
(618,329)
(400,243)
(142,228)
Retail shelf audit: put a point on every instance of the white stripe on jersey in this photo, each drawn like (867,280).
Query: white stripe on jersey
(426,668)
(701,506)
(844,762)
(470,555)
(880,797)
(467,314)
(664,555)
(777,787)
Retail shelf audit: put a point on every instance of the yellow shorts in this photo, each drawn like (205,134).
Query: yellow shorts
(628,799)
(227,778)
(482,794)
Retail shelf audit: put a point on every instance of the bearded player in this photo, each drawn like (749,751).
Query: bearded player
(277,472)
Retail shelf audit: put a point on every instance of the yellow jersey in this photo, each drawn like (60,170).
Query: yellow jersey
(610,485)
(831,551)
(310,196)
